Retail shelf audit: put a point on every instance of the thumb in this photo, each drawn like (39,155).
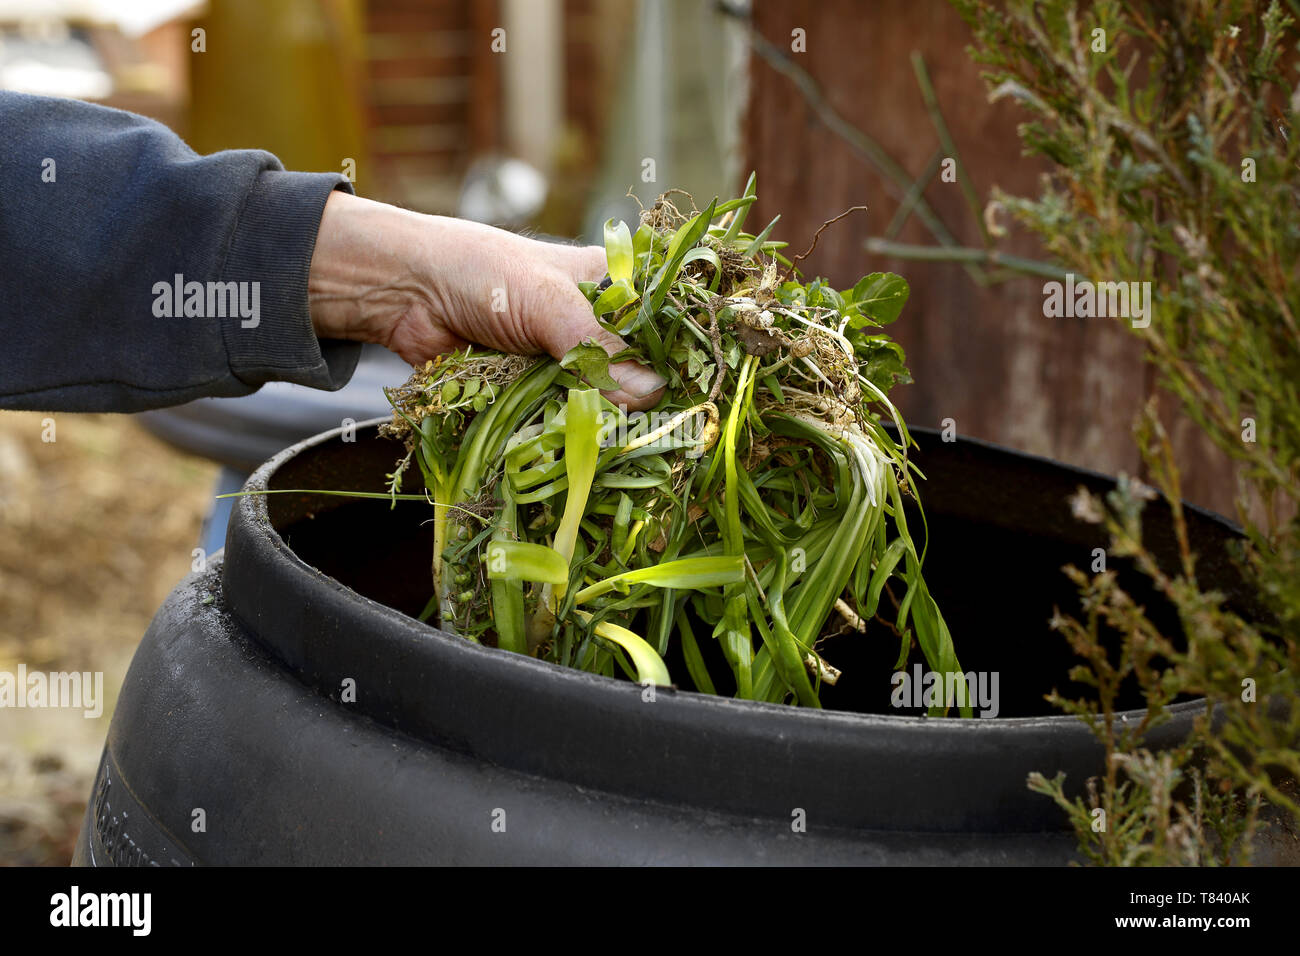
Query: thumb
(573,323)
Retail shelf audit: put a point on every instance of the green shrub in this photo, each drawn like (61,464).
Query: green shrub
(1169,126)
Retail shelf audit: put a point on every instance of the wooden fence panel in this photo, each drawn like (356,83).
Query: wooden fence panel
(985,357)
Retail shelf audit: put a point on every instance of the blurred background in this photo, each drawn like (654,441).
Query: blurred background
(548,116)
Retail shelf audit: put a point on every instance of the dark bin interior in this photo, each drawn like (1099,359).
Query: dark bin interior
(1000,531)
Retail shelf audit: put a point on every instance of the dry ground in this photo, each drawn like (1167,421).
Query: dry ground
(95,528)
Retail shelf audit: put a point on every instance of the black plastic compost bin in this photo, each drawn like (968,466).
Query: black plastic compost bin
(235,739)
(241,433)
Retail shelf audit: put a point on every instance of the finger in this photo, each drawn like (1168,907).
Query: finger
(642,385)
(417,342)
(573,323)
(590,264)
(584,263)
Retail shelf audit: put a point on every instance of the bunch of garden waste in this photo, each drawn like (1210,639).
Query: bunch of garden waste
(759,505)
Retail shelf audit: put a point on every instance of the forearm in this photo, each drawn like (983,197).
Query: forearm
(100,213)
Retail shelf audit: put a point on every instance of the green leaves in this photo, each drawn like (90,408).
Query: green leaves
(681,243)
(642,241)
(618,251)
(741,516)
(650,668)
(508,595)
(686,573)
(581,448)
(590,362)
(882,363)
(614,298)
(884,568)
(741,206)
(521,561)
(879,297)
(761,238)
(699,368)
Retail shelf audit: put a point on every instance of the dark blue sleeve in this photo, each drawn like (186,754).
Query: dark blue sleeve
(135,273)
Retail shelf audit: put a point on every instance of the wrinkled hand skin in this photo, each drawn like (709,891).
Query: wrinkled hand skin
(425,285)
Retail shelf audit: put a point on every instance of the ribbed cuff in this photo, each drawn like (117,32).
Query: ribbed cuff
(271,338)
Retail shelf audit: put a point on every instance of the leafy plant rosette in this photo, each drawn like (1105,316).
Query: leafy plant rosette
(760,504)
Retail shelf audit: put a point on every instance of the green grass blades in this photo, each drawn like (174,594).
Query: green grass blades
(581,449)
(686,573)
(507,592)
(744,529)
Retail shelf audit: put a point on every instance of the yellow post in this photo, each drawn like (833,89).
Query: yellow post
(286,76)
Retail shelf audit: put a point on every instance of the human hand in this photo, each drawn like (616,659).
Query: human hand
(425,285)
